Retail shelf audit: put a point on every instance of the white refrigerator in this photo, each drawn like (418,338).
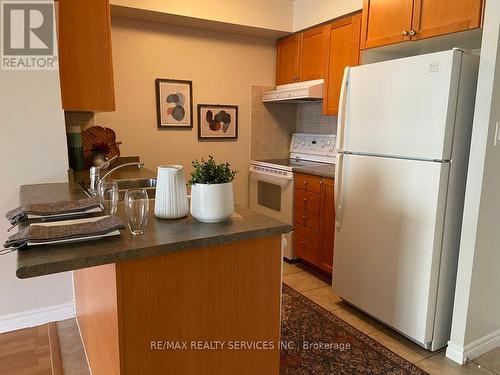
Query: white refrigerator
(403,140)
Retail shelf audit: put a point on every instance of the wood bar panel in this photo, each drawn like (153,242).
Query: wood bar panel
(221,293)
(97,315)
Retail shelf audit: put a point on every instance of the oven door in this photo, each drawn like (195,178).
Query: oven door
(271,194)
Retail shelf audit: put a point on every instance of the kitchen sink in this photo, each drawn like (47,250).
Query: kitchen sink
(139,183)
(148,184)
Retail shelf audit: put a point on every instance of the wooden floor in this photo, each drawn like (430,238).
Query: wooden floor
(26,352)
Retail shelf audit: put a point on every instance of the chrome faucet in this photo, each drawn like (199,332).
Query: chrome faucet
(95,173)
(139,165)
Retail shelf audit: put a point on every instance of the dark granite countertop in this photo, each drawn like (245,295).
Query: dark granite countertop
(161,236)
(327,170)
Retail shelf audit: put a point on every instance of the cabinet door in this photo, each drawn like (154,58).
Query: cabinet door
(308,183)
(386,22)
(325,260)
(312,54)
(432,18)
(342,50)
(287,60)
(85,61)
(306,243)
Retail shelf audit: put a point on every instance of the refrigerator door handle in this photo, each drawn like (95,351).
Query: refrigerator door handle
(342,110)
(337,189)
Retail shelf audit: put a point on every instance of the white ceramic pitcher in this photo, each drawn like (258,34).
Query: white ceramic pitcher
(171,201)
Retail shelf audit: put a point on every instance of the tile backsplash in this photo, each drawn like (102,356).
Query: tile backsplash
(311,120)
(274,123)
(82,119)
(272,126)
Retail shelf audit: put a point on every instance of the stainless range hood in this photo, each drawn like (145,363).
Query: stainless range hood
(296,92)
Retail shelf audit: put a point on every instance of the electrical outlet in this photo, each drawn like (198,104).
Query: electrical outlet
(497,134)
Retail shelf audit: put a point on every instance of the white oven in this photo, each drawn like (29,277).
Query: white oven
(271,193)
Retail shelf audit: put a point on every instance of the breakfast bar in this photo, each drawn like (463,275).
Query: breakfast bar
(184,297)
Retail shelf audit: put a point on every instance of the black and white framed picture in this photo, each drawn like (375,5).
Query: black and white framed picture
(217,121)
(174,103)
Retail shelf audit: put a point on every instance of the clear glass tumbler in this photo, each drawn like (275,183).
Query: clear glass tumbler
(137,209)
(108,196)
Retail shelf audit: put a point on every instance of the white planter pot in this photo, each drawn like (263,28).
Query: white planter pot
(171,200)
(212,203)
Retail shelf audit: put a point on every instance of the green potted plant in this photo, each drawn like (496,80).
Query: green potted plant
(212,199)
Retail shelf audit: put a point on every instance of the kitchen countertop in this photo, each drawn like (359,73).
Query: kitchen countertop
(161,236)
(327,171)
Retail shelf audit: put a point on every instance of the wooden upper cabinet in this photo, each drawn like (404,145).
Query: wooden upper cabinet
(301,57)
(432,18)
(85,60)
(312,54)
(342,51)
(393,21)
(287,65)
(386,22)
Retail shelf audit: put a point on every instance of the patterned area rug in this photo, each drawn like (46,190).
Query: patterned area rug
(316,342)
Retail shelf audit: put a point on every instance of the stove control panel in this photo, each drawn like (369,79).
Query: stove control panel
(314,144)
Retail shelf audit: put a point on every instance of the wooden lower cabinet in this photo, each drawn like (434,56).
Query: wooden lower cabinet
(130,312)
(314,220)
(325,259)
(306,243)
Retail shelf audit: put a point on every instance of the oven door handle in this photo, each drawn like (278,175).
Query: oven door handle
(268,177)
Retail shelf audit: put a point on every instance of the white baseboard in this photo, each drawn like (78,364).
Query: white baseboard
(36,317)
(460,354)
(455,352)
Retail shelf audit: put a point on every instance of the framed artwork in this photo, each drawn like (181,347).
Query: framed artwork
(217,121)
(174,103)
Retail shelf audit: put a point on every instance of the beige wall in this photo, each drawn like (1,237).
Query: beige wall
(223,68)
(307,13)
(267,14)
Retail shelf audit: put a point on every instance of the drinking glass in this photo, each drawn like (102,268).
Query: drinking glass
(108,196)
(137,208)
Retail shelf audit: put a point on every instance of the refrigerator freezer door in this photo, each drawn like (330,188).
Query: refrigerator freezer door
(388,240)
(404,108)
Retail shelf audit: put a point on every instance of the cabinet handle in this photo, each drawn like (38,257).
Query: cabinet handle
(412,32)
(406,33)
(305,182)
(304,217)
(321,182)
(303,244)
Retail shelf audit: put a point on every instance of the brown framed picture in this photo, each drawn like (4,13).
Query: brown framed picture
(174,103)
(217,121)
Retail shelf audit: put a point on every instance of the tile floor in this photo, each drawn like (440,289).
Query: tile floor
(316,288)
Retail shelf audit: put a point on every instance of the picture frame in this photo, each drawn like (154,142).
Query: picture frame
(217,121)
(174,103)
